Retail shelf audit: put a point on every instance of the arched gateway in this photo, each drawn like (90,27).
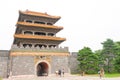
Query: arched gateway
(42,68)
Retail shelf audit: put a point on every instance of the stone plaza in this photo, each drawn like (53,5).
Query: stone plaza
(66,77)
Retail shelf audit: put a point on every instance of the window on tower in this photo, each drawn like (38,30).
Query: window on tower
(38,22)
(52,46)
(49,24)
(29,21)
(40,33)
(28,32)
(40,45)
(50,34)
(27,45)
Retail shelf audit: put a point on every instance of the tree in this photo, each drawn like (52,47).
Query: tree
(87,60)
(100,60)
(117,57)
(108,54)
(117,63)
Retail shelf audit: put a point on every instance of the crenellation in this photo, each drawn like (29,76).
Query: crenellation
(49,49)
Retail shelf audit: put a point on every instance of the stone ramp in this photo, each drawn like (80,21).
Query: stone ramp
(68,77)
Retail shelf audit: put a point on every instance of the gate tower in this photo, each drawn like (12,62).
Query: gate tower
(35,49)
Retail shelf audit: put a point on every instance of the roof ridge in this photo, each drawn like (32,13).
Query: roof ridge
(38,13)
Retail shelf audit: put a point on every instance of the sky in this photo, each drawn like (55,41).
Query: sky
(87,23)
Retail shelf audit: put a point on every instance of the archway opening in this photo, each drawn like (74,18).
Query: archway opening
(42,69)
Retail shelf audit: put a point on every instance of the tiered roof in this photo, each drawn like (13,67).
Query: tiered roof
(26,24)
(20,35)
(38,37)
(39,25)
(32,13)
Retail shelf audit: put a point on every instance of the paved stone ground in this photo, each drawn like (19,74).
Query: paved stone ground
(66,77)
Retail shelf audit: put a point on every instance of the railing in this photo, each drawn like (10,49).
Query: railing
(38,49)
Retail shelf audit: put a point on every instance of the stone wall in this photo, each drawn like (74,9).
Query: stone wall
(4,63)
(22,65)
(59,62)
(25,65)
(73,63)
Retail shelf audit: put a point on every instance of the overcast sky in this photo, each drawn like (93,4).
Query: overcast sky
(86,22)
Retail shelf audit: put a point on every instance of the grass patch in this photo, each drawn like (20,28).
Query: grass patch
(0,78)
(107,75)
(112,75)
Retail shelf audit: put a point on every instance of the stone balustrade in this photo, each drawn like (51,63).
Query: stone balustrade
(38,49)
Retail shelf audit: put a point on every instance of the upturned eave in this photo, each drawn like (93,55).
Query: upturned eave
(39,37)
(39,25)
(32,13)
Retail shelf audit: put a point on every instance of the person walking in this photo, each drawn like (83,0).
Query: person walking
(59,72)
(56,72)
(63,72)
(101,73)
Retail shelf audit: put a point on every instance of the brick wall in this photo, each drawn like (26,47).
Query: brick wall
(4,63)
(59,62)
(73,63)
(23,65)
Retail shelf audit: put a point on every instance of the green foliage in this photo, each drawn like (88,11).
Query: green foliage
(100,58)
(108,54)
(117,57)
(87,60)
(117,48)
(117,63)
(107,58)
